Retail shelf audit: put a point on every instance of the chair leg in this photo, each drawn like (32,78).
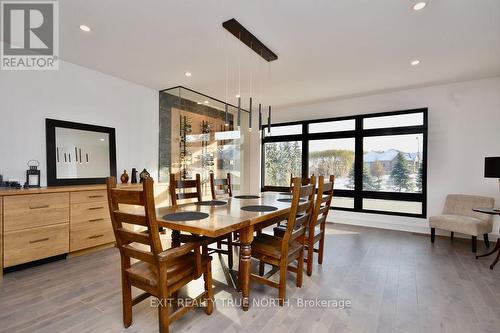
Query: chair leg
(262,266)
(126,301)
(452,236)
(321,248)
(474,244)
(300,268)
(433,235)
(219,245)
(163,308)
(207,276)
(230,252)
(310,254)
(486,240)
(282,283)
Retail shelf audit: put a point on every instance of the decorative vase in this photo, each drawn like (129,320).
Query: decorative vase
(124,177)
(144,174)
(134,176)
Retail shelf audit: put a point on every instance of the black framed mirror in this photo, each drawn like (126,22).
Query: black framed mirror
(79,154)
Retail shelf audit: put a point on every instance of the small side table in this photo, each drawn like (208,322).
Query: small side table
(490,211)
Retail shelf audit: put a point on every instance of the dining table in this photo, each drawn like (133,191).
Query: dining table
(224,219)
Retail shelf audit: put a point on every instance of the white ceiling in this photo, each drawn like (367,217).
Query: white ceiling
(326,48)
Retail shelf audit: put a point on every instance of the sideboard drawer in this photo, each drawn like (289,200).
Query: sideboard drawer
(29,211)
(84,212)
(37,243)
(90,234)
(88,196)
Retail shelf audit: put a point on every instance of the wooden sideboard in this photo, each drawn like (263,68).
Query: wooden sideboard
(46,222)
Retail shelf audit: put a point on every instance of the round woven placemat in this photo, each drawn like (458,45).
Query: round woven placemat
(211,203)
(186,216)
(259,208)
(247,197)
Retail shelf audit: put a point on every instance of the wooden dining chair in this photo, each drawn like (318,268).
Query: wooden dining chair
(158,272)
(188,189)
(181,190)
(316,229)
(304,181)
(220,186)
(280,252)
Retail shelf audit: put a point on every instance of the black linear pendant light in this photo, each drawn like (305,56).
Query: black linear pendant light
(246,37)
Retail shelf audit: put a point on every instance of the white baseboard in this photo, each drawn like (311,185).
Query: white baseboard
(413,225)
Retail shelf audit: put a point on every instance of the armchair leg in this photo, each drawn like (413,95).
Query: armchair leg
(486,240)
(433,235)
(474,244)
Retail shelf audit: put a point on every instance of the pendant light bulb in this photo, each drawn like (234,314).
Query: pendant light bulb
(226,115)
(269,121)
(239,112)
(260,117)
(250,116)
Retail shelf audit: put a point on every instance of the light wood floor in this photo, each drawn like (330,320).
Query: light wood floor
(397,282)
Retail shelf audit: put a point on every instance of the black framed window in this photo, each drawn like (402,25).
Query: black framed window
(379,160)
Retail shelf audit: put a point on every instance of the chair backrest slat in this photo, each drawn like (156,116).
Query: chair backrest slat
(127,197)
(132,252)
(194,185)
(189,195)
(131,218)
(220,186)
(129,236)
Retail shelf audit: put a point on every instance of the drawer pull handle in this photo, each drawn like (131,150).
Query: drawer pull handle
(39,240)
(96,236)
(95,196)
(95,208)
(39,207)
(96,220)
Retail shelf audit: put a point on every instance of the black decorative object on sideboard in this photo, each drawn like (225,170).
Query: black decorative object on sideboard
(32,175)
(134,176)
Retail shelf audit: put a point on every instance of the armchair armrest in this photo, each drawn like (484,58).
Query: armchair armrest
(182,250)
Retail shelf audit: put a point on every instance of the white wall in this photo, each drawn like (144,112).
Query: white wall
(75,94)
(464,127)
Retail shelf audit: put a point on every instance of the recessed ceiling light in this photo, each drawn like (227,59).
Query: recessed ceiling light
(238,96)
(419,6)
(84,28)
(206,102)
(415,62)
(101,139)
(199,103)
(188,74)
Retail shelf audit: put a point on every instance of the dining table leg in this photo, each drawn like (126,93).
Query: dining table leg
(246,238)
